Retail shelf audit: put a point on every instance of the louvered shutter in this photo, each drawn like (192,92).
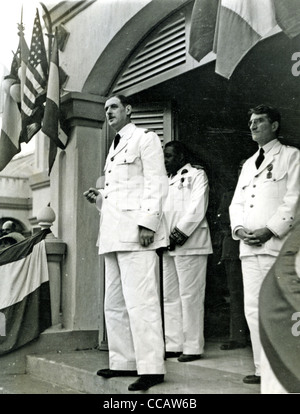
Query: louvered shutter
(157,117)
(164,51)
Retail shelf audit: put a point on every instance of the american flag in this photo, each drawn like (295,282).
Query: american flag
(35,83)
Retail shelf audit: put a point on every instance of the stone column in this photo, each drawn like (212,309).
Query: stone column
(55,249)
(76,169)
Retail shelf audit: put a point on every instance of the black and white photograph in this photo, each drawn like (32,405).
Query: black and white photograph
(150,199)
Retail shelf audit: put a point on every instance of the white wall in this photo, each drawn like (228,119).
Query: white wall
(90,32)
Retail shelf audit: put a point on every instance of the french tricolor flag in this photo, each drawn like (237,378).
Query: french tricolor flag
(25,309)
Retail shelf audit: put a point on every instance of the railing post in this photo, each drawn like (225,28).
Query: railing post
(55,249)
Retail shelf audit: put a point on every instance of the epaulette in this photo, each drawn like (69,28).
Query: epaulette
(148,130)
(198,167)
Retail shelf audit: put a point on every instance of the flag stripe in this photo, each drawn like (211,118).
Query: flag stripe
(237,27)
(10,132)
(34,81)
(20,250)
(51,121)
(232,26)
(25,320)
(260,15)
(53,88)
(288,16)
(7,150)
(203,23)
(14,281)
(11,121)
(50,129)
(24,292)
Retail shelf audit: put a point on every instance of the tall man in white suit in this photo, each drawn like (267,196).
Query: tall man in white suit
(185,263)
(130,206)
(262,212)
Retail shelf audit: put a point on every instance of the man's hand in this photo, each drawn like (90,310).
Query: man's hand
(91,195)
(255,238)
(146,236)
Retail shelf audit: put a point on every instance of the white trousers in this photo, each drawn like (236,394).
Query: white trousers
(184,292)
(133,312)
(255,269)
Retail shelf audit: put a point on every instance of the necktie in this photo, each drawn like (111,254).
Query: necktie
(116,140)
(260,158)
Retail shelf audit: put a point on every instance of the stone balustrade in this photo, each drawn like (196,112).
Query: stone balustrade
(56,250)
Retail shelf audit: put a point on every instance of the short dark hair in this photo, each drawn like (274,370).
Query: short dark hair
(125,100)
(180,149)
(272,113)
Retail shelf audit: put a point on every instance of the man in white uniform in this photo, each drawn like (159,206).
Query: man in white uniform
(262,212)
(184,265)
(130,206)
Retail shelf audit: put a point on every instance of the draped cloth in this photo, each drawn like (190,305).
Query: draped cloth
(25,309)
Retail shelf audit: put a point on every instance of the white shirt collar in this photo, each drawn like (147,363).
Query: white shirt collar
(126,129)
(267,147)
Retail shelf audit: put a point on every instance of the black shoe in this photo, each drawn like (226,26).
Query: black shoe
(172,354)
(232,345)
(110,373)
(188,358)
(146,381)
(252,379)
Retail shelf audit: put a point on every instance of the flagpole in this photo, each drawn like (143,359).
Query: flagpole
(48,23)
(20,25)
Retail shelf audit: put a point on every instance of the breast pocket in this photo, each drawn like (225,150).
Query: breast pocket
(274,184)
(128,165)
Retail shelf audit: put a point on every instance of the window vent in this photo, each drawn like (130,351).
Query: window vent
(150,119)
(164,51)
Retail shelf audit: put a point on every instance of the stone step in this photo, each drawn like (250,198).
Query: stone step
(77,371)
(27,384)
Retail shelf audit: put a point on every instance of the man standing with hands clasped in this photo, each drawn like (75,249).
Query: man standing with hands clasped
(130,206)
(185,263)
(262,212)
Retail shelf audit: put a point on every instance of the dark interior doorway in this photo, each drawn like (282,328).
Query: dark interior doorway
(211,115)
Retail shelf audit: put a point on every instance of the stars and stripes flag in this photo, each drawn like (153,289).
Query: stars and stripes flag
(33,82)
(25,307)
(51,121)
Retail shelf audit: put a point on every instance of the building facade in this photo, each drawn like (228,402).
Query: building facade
(140,48)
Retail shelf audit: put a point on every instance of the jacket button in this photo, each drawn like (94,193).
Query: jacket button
(105,196)
(251,205)
(112,158)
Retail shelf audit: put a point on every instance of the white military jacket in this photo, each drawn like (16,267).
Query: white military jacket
(185,208)
(135,188)
(267,196)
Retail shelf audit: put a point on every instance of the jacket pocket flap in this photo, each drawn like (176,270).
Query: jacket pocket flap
(127,159)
